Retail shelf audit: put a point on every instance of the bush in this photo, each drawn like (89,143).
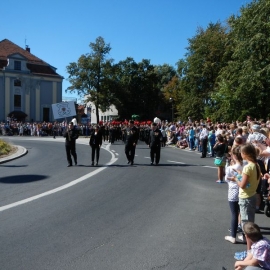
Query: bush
(5,148)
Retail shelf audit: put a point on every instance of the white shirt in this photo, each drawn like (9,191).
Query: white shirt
(204,133)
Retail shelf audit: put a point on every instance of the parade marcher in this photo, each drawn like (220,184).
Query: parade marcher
(95,142)
(203,140)
(131,139)
(155,140)
(71,136)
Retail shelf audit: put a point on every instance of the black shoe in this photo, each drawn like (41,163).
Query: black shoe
(156,163)
(96,163)
(151,163)
(203,157)
(131,163)
(69,165)
(92,163)
(128,162)
(76,163)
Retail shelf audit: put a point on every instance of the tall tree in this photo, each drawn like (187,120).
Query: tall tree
(137,89)
(244,84)
(199,70)
(91,76)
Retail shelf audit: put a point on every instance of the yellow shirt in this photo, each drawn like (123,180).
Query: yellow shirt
(251,171)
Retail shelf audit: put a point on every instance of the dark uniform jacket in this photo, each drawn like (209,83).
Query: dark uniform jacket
(95,139)
(155,138)
(71,136)
(132,135)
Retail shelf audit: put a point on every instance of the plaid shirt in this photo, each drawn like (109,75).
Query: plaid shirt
(261,251)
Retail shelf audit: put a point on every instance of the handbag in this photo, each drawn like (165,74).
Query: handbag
(219,160)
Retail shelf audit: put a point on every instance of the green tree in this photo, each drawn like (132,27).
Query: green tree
(137,88)
(244,82)
(198,72)
(91,76)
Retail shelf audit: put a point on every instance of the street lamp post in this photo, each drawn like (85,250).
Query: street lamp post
(171,100)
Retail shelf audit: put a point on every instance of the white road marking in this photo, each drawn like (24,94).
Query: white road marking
(178,162)
(72,183)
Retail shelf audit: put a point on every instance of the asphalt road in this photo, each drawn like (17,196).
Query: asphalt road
(114,216)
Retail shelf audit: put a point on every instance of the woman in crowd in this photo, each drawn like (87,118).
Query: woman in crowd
(247,189)
(233,191)
(221,151)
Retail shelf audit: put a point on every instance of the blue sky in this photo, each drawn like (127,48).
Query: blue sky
(59,32)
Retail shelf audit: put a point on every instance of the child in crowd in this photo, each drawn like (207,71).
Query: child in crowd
(247,189)
(259,255)
(233,191)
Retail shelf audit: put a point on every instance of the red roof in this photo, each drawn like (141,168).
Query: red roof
(35,64)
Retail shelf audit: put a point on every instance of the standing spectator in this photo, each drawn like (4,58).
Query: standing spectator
(211,142)
(21,130)
(233,191)
(191,137)
(203,140)
(164,136)
(247,189)
(221,149)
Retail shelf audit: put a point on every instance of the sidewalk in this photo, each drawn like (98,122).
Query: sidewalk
(21,151)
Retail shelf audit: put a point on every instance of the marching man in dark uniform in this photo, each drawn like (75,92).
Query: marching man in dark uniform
(155,139)
(71,136)
(95,142)
(131,139)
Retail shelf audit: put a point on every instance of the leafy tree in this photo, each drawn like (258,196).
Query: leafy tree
(136,89)
(199,70)
(91,76)
(244,83)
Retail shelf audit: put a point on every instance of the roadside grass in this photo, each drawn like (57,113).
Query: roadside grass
(5,148)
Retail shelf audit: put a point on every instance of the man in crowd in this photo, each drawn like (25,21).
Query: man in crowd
(203,140)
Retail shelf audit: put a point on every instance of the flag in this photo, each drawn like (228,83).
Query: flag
(63,109)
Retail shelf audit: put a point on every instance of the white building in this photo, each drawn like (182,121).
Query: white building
(107,116)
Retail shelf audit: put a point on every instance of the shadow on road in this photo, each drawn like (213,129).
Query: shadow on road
(22,179)
(13,166)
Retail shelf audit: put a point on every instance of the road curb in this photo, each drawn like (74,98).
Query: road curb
(21,151)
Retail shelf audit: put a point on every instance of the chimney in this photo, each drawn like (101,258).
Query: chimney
(27,48)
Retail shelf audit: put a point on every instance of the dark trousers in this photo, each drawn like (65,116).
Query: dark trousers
(155,151)
(204,147)
(71,150)
(234,206)
(95,151)
(130,152)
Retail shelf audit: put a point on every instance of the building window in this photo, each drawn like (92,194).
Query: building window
(17,83)
(17,65)
(17,100)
